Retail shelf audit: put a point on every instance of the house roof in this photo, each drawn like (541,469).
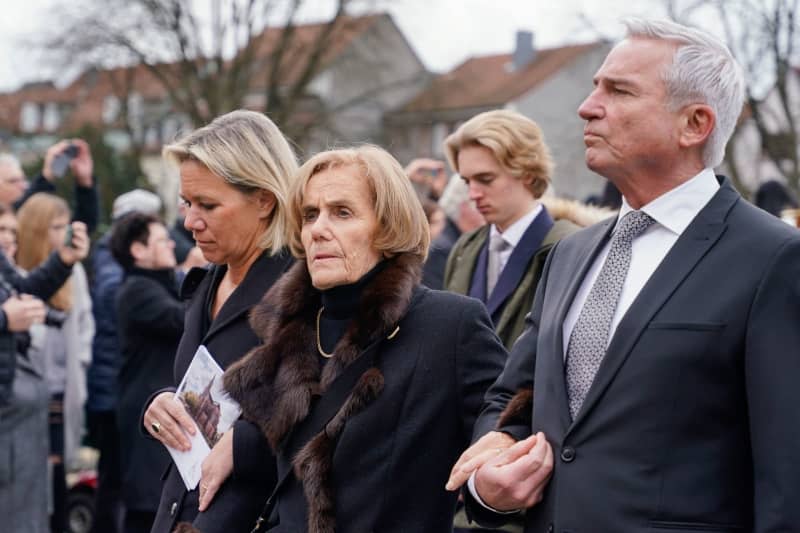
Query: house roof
(84,97)
(490,81)
(303,45)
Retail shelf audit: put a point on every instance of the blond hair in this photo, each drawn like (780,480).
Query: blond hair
(249,152)
(515,141)
(33,243)
(402,225)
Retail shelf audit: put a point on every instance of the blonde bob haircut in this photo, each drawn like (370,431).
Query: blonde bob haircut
(34,219)
(402,225)
(515,140)
(249,152)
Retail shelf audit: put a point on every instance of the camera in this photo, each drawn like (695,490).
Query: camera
(60,162)
(54,317)
(68,236)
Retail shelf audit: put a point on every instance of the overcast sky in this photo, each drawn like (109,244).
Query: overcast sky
(443,32)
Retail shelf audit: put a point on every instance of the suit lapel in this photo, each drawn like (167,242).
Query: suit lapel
(518,263)
(695,242)
(477,286)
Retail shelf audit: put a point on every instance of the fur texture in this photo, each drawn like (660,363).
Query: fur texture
(276,382)
(519,409)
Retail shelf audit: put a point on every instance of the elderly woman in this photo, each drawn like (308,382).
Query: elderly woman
(367,384)
(234,177)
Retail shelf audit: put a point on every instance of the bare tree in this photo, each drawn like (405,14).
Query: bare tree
(206,57)
(763,35)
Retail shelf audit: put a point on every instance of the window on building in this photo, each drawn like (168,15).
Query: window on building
(29,120)
(51,117)
(439,132)
(111,109)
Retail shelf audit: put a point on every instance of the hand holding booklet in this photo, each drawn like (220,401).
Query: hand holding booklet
(211,409)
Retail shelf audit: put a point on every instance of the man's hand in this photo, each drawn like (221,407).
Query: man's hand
(487,447)
(80,245)
(429,172)
(216,468)
(23,311)
(516,478)
(167,420)
(81,166)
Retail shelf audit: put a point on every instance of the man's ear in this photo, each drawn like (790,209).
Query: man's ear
(266,203)
(698,121)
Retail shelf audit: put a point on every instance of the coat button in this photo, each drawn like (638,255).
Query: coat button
(568,454)
(173,508)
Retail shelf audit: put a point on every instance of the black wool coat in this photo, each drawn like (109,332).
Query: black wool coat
(228,337)
(150,324)
(382,462)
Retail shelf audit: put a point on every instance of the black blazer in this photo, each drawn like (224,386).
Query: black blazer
(227,338)
(692,421)
(381,463)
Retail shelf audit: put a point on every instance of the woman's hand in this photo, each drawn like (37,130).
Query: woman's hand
(217,467)
(167,420)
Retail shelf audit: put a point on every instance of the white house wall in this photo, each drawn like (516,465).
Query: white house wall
(553,104)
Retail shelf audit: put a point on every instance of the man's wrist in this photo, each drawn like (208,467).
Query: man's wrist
(474,492)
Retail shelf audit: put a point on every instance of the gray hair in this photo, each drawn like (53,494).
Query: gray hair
(249,152)
(702,70)
(10,160)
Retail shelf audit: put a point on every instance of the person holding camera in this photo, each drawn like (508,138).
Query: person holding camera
(23,390)
(63,346)
(68,155)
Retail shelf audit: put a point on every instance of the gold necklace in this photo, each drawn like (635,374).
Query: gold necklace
(319,344)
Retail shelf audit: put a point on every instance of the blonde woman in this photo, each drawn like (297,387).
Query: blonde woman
(234,181)
(63,345)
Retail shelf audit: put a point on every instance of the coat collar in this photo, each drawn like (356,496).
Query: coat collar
(277,381)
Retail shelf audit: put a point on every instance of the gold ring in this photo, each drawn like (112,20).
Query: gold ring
(156,427)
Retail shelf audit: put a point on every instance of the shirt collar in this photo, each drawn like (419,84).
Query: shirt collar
(675,209)
(513,234)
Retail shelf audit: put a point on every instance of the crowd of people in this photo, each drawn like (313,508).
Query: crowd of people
(413,351)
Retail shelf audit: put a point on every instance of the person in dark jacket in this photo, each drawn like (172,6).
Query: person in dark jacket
(23,392)
(150,323)
(424,358)
(234,179)
(101,404)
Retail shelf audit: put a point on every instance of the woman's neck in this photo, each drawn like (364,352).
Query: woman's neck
(237,270)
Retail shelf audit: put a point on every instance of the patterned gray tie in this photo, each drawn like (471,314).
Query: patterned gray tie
(497,245)
(590,336)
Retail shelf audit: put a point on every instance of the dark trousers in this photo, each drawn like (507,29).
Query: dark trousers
(139,521)
(58,519)
(104,435)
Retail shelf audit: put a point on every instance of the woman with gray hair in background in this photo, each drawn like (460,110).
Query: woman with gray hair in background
(234,180)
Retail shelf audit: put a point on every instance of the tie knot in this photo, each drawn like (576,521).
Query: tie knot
(632,225)
(497,243)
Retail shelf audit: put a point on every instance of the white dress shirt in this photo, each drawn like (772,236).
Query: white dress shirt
(513,234)
(673,211)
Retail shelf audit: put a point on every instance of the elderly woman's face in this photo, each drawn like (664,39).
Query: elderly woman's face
(339,227)
(226,223)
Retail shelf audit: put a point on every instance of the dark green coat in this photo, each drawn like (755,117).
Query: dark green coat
(464,257)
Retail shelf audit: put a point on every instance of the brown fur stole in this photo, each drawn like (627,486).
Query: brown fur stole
(276,382)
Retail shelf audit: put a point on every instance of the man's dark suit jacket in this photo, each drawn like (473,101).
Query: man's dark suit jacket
(693,420)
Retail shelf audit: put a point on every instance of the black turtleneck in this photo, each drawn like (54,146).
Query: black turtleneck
(341,304)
